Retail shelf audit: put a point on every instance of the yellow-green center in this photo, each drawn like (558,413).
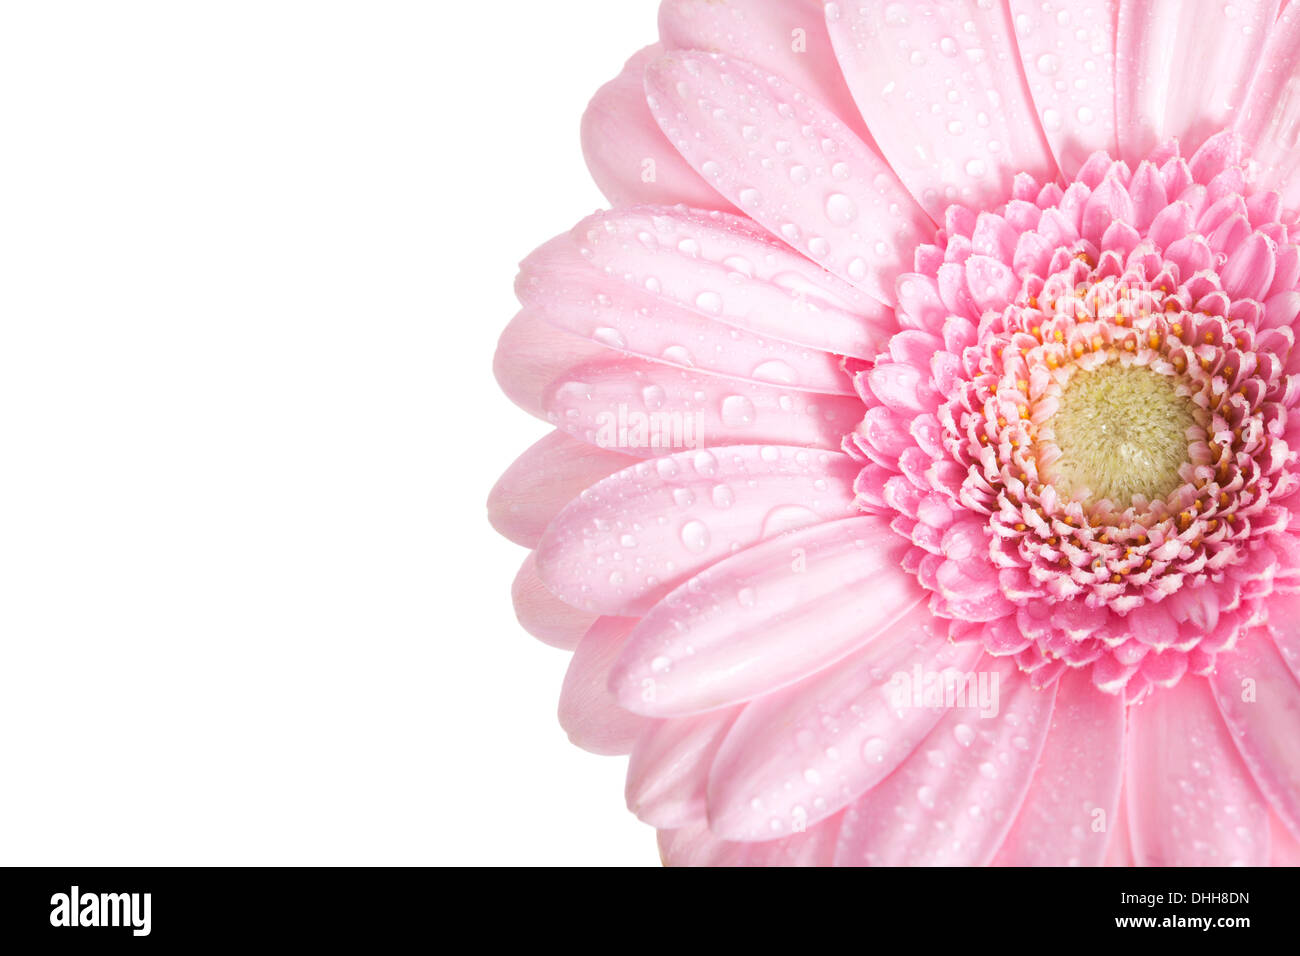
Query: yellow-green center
(1122,431)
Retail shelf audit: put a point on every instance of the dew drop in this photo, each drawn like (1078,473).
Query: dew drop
(705,464)
(737,410)
(840,209)
(709,302)
(679,355)
(776,372)
(873,750)
(787,518)
(695,536)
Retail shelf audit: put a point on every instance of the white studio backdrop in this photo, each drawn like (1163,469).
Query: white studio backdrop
(255,257)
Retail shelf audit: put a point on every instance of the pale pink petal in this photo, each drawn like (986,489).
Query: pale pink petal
(668,773)
(542,614)
(629,157)
(1248,273)
(1191,801)
(726,267)
(767,617)
(697,846)
(1260,700)
(941,89)
(953,800)
(785,37)
(1109,203)
(1284,626)
(1068,51)
(1269,119)
(646,409)
(786,161)
(1176,77)
(1072,803)
(588,713)
(992,285)
(1119,848)
(1147,190)
(630,539)
(1284,847)
(800,755)
(569,293)
(532,353)
(543,480)
(903,387)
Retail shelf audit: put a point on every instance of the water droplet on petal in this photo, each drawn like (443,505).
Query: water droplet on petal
(840,209)
(695,536)
(737,410)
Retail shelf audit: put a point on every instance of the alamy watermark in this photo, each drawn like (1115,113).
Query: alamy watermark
(627,427)
(75,908)
(945,690)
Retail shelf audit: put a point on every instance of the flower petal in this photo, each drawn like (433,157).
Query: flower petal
(668,773)
(588,712)
(569,293)
(1269,119)
(767,617)
(542,614)
(1284,624)
(532,353)
(629,157)
(785,37)
(1191,801)
(543,480)
(727,268)
(1074,798)
(941,89)
(1260,700)
(1068,51)
(1177,79)
(1284,848)
(801,754)
(953,800)
(786,161)
(1249,270)
(1119,848)
(627,541)
(644,409)
(697,846)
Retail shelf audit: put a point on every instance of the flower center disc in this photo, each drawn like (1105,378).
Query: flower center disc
(1121,430)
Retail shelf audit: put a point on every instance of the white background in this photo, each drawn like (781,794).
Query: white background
(254,259)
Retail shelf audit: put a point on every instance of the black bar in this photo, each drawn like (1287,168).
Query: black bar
(374,906)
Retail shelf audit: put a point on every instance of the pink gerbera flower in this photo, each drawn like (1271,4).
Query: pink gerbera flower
(924,484)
